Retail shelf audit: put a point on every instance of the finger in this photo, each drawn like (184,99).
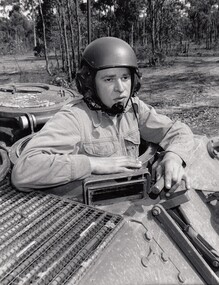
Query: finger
(187,181)
(173,189)
(125,169)
(183,177)
(126,161)
(159,172)
(134,164)
(129,164)
(168,178)
(176,174)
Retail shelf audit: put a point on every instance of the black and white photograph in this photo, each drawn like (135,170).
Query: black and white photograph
(109,142)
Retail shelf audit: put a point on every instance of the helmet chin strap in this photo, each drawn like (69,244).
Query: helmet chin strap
(95,104)
(116,109)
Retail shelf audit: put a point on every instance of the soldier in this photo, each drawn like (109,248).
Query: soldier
(100,132)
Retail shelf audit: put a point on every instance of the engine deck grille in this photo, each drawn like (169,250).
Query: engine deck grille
(45,239)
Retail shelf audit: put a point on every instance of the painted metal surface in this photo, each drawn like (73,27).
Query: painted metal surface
(203,169)
(141,252)
(34,98)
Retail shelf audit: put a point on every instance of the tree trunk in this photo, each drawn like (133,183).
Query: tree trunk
(79,32)
(73,60)
(34,24)
(62,48)
(66,44)
(152,26)
(44,39)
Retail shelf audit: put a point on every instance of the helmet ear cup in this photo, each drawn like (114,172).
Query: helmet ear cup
(136,84)
(80,83)
(84,80)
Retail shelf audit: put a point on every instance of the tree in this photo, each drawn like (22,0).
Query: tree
(45,11)
(17,31)
(152,27)
(203,15)
(44,37)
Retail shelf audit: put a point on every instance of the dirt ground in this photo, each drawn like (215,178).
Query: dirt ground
(185,88)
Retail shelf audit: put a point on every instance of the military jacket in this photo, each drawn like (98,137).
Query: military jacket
(59,152)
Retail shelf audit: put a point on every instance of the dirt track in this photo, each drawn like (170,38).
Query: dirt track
(23,68)
(185,88)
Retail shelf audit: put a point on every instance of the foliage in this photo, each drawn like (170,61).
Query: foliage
(15,32)
(153,27)
(203,15)
(50,21)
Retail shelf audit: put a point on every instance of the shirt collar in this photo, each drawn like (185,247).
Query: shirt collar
(96,117)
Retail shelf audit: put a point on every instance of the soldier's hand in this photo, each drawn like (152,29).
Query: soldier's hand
(108,165)
(171,167)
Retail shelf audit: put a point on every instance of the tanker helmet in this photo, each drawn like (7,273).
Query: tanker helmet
(103,53)
(109,52)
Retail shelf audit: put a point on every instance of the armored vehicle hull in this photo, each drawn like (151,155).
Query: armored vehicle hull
(110,229)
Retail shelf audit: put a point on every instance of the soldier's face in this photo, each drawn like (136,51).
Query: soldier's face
(113,85)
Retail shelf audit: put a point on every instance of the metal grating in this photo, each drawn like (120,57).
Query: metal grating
(45,239)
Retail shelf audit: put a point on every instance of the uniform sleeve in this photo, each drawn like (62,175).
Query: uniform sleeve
(51,157)
(171,136)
